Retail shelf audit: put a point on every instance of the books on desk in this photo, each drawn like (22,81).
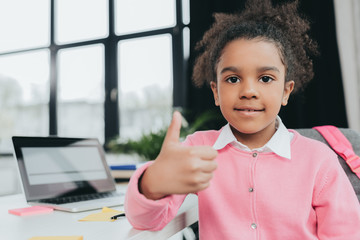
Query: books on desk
(122,172)
(122,166)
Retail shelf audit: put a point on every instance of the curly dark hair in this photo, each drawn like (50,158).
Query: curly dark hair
(281,25)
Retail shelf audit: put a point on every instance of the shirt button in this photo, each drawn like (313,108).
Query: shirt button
(254,154)
(253,226)
(251,189)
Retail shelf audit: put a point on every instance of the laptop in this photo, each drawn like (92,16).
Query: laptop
(68,174)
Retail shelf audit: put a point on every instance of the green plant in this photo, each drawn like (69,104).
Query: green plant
(149,145)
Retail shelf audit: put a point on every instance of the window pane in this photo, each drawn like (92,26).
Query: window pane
(80,20)
(22,19)
(186,11)
(24,96)
(186,43)
(145,83)
(81,92)
(142,15)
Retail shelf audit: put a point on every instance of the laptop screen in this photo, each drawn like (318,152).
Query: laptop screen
(46,165)
(53,167)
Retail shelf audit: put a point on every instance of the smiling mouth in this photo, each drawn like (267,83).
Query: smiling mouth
(248,110)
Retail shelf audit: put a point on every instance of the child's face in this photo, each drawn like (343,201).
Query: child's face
(251,88)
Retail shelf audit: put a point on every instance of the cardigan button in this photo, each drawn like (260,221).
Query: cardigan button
(253,226)
(251,189)
(254,154)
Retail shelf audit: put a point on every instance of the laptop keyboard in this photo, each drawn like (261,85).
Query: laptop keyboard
(80,198)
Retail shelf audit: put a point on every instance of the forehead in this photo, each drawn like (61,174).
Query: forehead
(248,52)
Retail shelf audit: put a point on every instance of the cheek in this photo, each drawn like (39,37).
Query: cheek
(225,95)
(274,98)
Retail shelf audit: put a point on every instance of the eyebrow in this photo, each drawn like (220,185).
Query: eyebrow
(260,69)
(229,69)
(268,68)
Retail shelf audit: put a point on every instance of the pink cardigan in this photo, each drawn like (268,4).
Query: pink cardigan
(262,196)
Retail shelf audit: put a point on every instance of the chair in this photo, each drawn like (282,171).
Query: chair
(354,139)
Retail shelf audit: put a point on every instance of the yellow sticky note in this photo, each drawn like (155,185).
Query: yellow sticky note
(58,238)
(103,216)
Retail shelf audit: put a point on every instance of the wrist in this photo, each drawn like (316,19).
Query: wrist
(145,186)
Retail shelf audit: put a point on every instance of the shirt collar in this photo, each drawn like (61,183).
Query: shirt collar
(279,142)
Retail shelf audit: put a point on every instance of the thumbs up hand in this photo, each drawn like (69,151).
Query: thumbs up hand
(178,169)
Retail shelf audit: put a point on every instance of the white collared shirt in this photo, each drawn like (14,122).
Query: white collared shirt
(279,142)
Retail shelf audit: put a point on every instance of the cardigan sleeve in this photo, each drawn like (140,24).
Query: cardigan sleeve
(336,204)
(146,214)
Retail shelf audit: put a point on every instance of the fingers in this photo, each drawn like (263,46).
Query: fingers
(208,166)
(202,166)
(173,133)
(204,152)
(202,159)
(201,182)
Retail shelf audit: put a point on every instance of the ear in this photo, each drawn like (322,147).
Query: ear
(214,89)
(289,87)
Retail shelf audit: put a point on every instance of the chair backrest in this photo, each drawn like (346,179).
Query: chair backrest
(354,139)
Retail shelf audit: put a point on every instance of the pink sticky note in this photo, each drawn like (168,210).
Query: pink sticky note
(30,210)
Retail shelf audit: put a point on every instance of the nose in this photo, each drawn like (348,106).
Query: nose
(248,90)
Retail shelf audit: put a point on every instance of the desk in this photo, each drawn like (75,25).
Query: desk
(60,223)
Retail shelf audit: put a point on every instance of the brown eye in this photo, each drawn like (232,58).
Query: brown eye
(233,79)
(266,79)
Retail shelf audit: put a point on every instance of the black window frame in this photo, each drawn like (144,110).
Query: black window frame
(110,43)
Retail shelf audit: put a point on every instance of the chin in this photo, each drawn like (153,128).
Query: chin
(245,130)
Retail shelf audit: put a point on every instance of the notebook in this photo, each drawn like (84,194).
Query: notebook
(68,174)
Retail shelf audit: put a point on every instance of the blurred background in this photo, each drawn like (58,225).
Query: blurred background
(118,68)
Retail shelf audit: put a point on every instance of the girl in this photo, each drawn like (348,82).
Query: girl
(254,178)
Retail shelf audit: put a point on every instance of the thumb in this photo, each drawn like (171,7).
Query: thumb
(173,132)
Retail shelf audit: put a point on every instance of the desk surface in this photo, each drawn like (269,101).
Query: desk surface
(60,223)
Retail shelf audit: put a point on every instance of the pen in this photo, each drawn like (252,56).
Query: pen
(118,215)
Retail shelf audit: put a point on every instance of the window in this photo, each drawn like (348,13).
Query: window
(75,23)
(145,85)
(136,12)
(81,91)
(20,28)
(24,95)
(90,67)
